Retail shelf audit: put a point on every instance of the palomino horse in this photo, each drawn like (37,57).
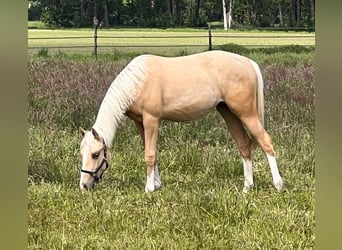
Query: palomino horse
(151,88)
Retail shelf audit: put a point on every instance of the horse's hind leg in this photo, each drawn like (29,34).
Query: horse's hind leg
(265,141)
(242,140)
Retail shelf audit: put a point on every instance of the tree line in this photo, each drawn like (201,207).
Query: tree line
(174,13)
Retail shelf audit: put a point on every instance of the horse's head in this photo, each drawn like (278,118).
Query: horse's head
(94,158)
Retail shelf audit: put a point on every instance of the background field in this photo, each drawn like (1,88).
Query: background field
(201,205)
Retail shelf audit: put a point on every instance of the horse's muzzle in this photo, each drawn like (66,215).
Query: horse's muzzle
(85,187)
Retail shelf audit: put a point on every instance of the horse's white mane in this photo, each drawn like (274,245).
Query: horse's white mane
(119,97)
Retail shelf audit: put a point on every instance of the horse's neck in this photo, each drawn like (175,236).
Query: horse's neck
(108,119)
(118,98)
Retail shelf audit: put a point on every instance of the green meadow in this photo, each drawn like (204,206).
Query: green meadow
(201,204)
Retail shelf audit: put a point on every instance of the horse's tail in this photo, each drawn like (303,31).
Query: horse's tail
(260,97)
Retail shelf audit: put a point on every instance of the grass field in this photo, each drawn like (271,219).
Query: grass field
(163,41)
(201,204)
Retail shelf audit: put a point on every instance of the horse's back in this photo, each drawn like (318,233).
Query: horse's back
(217,57)
(210,67)
(188,87)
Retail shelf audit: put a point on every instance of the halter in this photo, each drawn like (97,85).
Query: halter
(104,161)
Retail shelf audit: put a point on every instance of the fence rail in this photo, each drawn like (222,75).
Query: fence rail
(191,36)
(98,41)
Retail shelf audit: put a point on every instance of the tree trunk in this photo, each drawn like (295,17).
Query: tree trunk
(225,24)
(174,11)
(168,4)
(82,14)
(106,18)
(251,13)
(95,9)
(312,3)
(281,16)
(298,13)
(293,13)
(177,12)
(174,7)
(312,7)
(197,9)
(229,15)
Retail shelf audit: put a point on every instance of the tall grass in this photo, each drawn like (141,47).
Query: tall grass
(201,204)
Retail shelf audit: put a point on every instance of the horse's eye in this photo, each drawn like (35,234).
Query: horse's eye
(95,155)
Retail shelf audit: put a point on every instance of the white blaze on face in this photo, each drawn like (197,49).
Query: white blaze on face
(84,178)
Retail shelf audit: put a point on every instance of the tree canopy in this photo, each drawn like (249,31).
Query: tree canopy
(173,13)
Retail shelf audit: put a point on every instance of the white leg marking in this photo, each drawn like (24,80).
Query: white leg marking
(248,174)
(150,182)
(277,181)
(157,180)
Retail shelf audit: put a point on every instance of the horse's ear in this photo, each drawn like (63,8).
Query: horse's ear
(95,134)
(82,131)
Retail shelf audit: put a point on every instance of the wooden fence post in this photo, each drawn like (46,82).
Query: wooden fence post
(96,25)
(210,42)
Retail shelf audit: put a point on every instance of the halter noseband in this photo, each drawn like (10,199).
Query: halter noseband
(104,161)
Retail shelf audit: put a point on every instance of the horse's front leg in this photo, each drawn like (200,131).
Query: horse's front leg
(151,125)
